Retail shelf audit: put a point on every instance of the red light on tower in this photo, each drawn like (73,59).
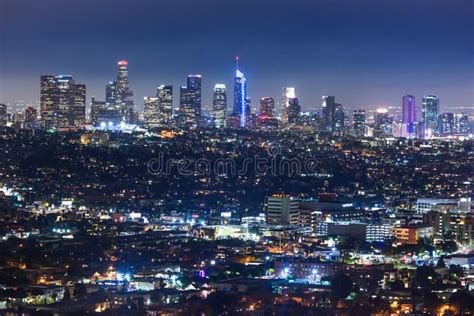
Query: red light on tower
(123,63)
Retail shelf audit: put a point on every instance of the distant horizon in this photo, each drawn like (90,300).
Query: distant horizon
(368,54)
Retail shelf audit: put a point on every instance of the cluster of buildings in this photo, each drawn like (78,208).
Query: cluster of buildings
(63,105)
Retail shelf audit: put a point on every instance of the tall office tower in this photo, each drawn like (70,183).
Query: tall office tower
(31,118)
(461,123)
(48,100)
(151,111)
(219,105)
(111,93)
(288,94)
(293,111)
(3,114)
(78,110)
(119,93)
(190,101)
(282,210)
(267,107)
(383,122)
(359,123)
(409,114)
(328,108)
(241,100)
(430,111)
(104,114)
(165,100)
(339,117)
(62,101)
(446,123)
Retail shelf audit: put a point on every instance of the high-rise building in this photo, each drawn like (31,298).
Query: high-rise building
(219,105)
(3,114)
(359,123)
(105,114)
(282,210)
(288,94)
(190,101)
(111,93)
(62,101)
(267,107)
(446,123)
(241,99)
(409,114)
(339,117)
(293,110)
(430,112)
(383,121)
(328,109)
(461,123)
(165,103)
(30,118)
(119,93)
(151,111)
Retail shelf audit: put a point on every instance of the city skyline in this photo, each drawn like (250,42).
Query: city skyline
(379,61)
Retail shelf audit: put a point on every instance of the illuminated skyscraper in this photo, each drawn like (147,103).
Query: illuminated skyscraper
(293,111)
(241,100)
(62,101)
(288,94)
(446,123)
(165,103)
(3,114)
(359,123)
(151,111)
(119,93)
(339,117)
(30,118)
(328,109)
(461,123)
(409,114)
(190,101)
(267,107)
(219,105)
(430,112)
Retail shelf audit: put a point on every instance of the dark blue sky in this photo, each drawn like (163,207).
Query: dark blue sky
(367,53)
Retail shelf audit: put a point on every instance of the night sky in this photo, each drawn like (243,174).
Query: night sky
(366,53)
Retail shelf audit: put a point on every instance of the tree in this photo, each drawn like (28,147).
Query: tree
(397,285)
(450,246)
(440,264)
(432,302)
(456,270)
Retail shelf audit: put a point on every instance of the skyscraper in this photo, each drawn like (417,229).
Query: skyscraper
(287,95)
(328,109)
(119,93)
(408,114)
(339,117)
(446,123)
(359,123)
(461,123)
(151,111)
(165,103)
(219,105)
(190,101)
(62,101)
(267,107)
(430,111)
(293,110)
(31,118)
(3,114)
(241,100)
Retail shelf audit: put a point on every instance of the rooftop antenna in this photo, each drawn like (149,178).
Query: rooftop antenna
(237,62)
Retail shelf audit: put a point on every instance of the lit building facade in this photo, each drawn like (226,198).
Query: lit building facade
(359,123)
(409,114)
(430,112)
(219,105)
